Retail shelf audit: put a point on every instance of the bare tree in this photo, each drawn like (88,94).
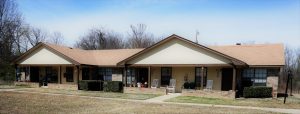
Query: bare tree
(291,63)
(56,38)
(139,37)
(99,38)
(296,83)
(36,35)
(10,29)
(21,42)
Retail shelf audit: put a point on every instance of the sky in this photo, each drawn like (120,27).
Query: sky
(219,22)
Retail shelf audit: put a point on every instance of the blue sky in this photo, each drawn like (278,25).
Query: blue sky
(219,22)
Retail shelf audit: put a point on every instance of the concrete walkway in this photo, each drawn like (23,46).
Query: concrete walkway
(161,99)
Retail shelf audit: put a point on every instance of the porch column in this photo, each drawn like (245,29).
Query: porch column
(202,77)
(125,75)
(29,75)
(78,72)
(149,76)
(233,79)
(60,75)
(16,72)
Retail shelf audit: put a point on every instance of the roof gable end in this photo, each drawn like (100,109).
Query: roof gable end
(177,50)
(44,56)
(45,52)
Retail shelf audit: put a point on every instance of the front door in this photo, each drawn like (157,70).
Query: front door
(227,75)
(142,75)
(34,74)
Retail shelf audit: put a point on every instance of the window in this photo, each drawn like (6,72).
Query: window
(69,74)
(273,72)
(166,75)
(105,74)
(256,77)
(248,74)
(198,74)
(260,78)
(130,75)
(52,74)
(85,73)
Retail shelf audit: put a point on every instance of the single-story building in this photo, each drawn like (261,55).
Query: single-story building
(229,67)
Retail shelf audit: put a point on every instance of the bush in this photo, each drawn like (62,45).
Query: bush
(113,86)
(189,85)
(7,73)
(92,85)
(186,85)
(257,92)
(192,85)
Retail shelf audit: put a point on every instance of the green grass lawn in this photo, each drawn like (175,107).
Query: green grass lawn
(292,102)
(93,93)
(34,103)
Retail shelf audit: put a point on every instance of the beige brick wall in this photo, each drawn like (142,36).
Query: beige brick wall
(214,73)
(272,81)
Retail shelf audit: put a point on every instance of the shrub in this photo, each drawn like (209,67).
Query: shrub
(189,85)
(186,85)
(7,72)
(192,85)
(113,86)
(92,85)
(257,92)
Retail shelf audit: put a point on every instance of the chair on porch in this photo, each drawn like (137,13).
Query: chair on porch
(154,83)
(171,87)
(209,84)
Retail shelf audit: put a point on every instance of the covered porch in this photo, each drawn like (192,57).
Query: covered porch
(57,74)
(185,61)
(223,78)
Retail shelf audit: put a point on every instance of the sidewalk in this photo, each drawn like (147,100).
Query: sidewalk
(160,99)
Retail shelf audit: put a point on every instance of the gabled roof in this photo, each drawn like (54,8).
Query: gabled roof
(107,57)
(234,60)
(85,57)
(255,54)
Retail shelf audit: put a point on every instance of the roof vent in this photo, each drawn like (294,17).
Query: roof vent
(238,44)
